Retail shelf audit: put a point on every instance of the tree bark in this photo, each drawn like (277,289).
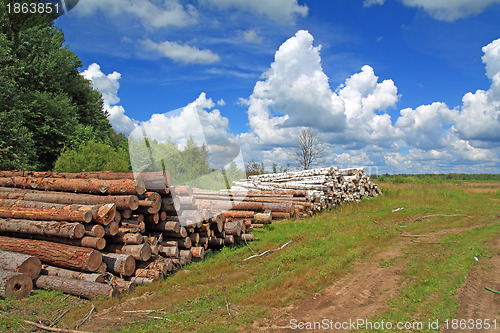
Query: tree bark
(233,228)
(84,289)
(139,252)
(46,214)
(66,256)
(46,228)
(66,273)
(94,230)
(20,263)
(91,185)
(120,264)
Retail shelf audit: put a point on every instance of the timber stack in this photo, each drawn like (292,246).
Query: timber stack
(100,233)
(309,190)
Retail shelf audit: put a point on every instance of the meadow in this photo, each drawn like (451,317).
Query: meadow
(441,232)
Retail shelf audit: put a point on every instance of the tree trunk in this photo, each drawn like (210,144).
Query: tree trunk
(239,214)
(66,273)
(167,226)
(244,237)
(233,228)
(119,264)
(121,186)
(94,230)
(170,252)
(128,238)
(149,273)
(139,252)
(14,285)
(138,280)
(20,263)
(45,214)
(80,288)
(121,201)
(112,229)
(66,256)
(87,241)
(46,228)
(263,218)
(198,252)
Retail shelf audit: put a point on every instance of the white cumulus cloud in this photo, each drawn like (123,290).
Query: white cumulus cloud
(152,14)
(281,11)
(180,53)
(108,86)
(451,10)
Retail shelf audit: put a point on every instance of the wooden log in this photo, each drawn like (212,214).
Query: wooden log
(170,251)
(61,255)
(94,230)
(186,255)
(150,203)
(181,234)
(217,242)
(14,285)
(66,273)
(133,224)
(127,238)
(263,218)
(258,225)
(285,207)
(80,288)
(182,243)
(139,280)
(112,228)
(170,204)
(244,237)
(280,215)
(160,264)
(20,263)
(120,264)
(47,228)
(139,252)
(239,214)
(126,213)
(179,190)
(121,201)
(149,273)
(233,228)
(45,214)
(118,217)
(122,285)
(167,226)
(121,186)
(228,240)
(102,268)
(198,252)
(86,241)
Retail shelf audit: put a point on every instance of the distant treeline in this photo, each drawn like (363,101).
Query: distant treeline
(436,178)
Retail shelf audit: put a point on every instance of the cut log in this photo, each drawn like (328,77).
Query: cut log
(239,214)
(139,280)
(159,264)
(263,218)
(120,264)
(198,252)
(244,237)
(182,190)
(233,228)
(150,203)
(128,238)
(121,201)
(170,251)
(94,230)
(170,226)
(229,240)
(46,228)
(66,273)
(66,256)
(15,285)
(181,234)
(20,263)
(149,273)
(139,252)
(45,214)
(87,241)
(121,186)
(170,204)
(186,255)
(80,288)
(112,228)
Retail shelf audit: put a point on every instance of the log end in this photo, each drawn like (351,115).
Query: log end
(31,267)
(17,285)
(94,261)
(79,231)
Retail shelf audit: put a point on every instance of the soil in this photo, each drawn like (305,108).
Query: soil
(365,291)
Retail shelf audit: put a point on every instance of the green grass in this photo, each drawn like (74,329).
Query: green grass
(323,249)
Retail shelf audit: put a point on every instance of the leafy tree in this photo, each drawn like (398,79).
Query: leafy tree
(45,104)
(254,168)
(92,156)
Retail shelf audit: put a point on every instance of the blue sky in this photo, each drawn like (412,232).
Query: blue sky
(401,86)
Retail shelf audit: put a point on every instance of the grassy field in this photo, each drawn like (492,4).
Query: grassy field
(226,293)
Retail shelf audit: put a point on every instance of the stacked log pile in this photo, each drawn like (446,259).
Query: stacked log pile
(100,233)
(301,193)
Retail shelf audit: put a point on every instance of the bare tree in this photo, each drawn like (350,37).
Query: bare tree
(309,148)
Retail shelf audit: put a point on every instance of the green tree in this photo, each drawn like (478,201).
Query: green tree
(45,104)
(92,156)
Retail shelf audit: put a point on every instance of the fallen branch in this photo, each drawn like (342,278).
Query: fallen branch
(55,321)
(268,251)
(52,329)
(82,321)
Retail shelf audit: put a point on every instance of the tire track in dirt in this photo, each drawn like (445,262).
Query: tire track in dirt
(361,293)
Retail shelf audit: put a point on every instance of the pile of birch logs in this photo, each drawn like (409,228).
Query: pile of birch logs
(101,233)
(323,187)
